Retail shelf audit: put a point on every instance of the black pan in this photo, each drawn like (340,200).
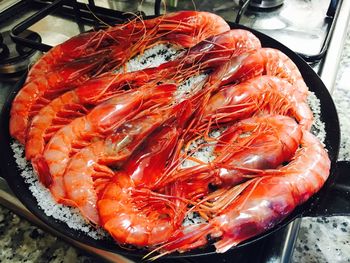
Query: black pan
(318,204)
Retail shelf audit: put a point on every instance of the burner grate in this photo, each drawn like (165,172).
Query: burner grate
(13,57)
(82,14)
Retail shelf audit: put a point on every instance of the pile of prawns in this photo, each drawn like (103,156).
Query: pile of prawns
(112,143)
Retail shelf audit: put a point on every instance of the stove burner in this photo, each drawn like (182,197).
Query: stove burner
(15,58)
(258,5)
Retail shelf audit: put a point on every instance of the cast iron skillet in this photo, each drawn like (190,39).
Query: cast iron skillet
(315,206)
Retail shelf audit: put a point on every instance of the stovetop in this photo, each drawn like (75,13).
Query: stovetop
(302,25)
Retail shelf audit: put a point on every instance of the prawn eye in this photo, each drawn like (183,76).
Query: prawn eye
(127,87)
(285,163)
(212,187)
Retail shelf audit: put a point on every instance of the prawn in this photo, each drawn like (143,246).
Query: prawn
(73,104)
(139,217)
(35,94)
(100,122)
(260,203)
(87,172)
(264,61)
(216,50)
(260,94)
(147,163)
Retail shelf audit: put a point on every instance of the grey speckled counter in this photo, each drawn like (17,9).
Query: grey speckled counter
(325,239)
(320,239)
(328,239)
(20,241)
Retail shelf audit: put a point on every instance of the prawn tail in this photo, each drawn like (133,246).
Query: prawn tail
(89,212)
(43,171)
(184,239)
(225,244)
(188,238)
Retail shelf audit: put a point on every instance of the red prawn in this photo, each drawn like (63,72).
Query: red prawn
(96,125)
(88,171)
(258,204)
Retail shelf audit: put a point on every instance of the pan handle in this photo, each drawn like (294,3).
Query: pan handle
(336,200)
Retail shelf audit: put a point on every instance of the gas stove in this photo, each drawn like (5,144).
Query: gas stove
(313,28)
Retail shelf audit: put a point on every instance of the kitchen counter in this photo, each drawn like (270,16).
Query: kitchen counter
(20,241)
(325,239)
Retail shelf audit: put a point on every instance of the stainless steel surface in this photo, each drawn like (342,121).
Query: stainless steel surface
(298,24)
(125,5)
(4,90)
(291,234)
(6,4)
(332,59)
(54,29)
(266,3)
(8,24)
